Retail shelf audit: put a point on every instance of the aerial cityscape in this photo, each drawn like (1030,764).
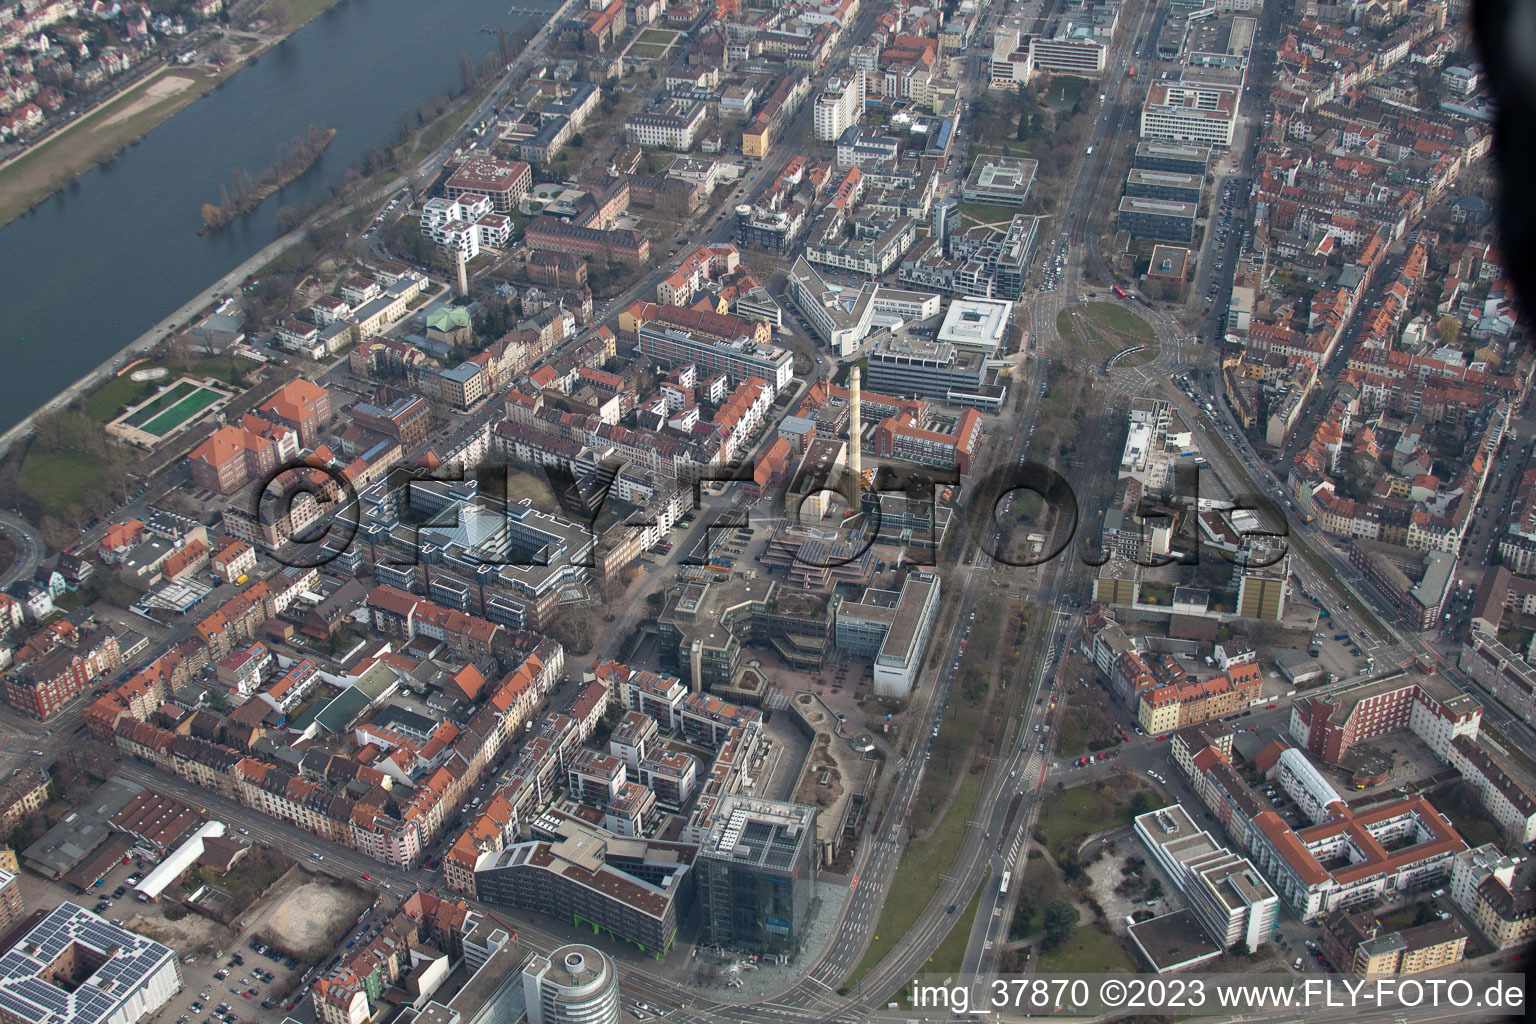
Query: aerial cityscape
(653,510)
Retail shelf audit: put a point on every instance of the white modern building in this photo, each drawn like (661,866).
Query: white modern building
(891,628)
(575,984)
(840,316)
(1000,180)
(905,304)
(977,325)
(1190,112)
(465,226)
(1068,55)
(73,967)
(1225,891)
(840,104)
(1077,42)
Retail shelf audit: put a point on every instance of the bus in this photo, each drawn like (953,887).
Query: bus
(1007,878)
(1120,292)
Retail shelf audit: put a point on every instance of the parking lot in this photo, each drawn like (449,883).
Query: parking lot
(239,986)
(233,976)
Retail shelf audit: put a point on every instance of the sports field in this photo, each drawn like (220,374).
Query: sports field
(167,411)
(182,411)
(159,403)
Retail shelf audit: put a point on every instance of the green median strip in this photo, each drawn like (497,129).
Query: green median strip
(917,878)
(949,959)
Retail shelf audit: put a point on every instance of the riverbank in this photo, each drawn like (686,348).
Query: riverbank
(95,137)
(230,282)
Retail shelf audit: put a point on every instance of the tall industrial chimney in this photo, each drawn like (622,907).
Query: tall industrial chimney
(855,432)
(463,276)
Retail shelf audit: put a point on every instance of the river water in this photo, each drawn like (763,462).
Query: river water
(104,260)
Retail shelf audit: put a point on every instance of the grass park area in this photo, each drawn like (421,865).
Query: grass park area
(436,133)
(1043,884)
(58,479)
(657,37)
(1472,822)
(1107,329)
(302,11)
(1120,320)
(1064,90)
(1091,951)
(1057,403)
(1072,732)
(985,213)
(64,473)
(107,401)
(1066,326)
(917,878)
(1070,816)
(964,726)
(648,51)
(63,157)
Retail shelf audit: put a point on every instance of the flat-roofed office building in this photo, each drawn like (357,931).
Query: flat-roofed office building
(892,628)
(1183,158)
(1000,181)
(575,984)
(1162,219)
(1190,112)
(1176,185)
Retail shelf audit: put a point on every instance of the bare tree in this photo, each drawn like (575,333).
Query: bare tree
(278,14)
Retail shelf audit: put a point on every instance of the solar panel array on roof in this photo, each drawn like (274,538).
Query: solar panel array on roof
(130,961)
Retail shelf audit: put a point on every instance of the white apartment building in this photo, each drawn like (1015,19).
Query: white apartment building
(1472,868)
(841,104)
(1506,799)
(841,317)
(465,226)
(1226,892)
